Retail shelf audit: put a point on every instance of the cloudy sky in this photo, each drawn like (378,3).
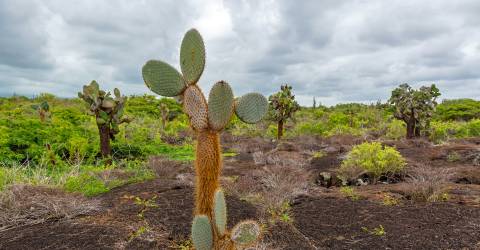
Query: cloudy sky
(338,51)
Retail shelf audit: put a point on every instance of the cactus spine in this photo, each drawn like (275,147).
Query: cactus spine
(108,112)
(207,119)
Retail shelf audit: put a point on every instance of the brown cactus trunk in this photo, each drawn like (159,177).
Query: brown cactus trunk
(410,129)
(280,129)
(105,149)
(208,165)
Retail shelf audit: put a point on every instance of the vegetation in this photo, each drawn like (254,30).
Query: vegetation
(207,119)
(414,107)
(108,112)
(282,106)
(458,110)
(372,159)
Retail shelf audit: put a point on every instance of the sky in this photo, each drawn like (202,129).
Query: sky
(335,51)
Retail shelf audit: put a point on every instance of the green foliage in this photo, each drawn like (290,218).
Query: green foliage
(349,192)
(444,131)
(372,159)
(395,130)
(458,110)
(414,107)
(85,183)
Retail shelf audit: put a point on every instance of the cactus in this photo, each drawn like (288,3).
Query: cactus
(207,119)
(164,113)
(414,107)
(108,112)
(282,107)
(43,110)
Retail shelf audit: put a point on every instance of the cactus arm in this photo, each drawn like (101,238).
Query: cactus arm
(192,56)
(251,108)
(220,212)
(220,105)
(202,235)
(162,78)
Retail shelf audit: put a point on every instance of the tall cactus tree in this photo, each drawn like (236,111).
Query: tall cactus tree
(207,119)
(282,107)
(414,107)
(108,112)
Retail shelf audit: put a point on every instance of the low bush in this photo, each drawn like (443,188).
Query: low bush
(372,159)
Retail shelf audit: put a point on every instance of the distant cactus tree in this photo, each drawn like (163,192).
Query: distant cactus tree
(108,112)
(314,103)
(43,110)
(414,107)
(282,107)
(164,113)
(207,119)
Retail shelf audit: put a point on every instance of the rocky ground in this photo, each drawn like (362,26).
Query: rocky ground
(157,214)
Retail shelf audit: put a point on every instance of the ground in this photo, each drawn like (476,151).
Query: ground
(320,217)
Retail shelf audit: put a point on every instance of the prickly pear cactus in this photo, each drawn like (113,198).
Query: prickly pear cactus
(108,112)
(207,118)
(43,110)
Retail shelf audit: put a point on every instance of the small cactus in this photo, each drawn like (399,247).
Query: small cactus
(282,107)
(43,110)
(164,113)
(207,119)
(108,112)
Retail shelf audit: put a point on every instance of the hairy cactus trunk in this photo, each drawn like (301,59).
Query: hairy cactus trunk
(280,129)
(208,165)
(105,149)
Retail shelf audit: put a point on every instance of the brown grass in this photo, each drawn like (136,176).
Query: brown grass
(27,205)
(428,184)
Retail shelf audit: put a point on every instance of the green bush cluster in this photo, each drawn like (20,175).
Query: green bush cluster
(372,159)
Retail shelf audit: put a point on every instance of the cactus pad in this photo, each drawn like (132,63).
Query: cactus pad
(220,105)
(246,233)
(162,78)
(195,107)
(251,107)
(202,235)
(192,56)
(220,211)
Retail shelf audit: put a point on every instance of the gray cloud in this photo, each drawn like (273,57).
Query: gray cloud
(338,51)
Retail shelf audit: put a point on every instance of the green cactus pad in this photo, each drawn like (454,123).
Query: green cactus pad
(162,78)
(192,56)
(251,108)
(202,235)
(220,105)
(220,211)
(246,233)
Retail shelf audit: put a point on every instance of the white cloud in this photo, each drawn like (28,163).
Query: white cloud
(338,51)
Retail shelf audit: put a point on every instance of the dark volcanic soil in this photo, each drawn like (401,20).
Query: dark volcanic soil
(321,219)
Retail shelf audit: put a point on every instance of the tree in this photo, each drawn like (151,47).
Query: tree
(282,106)
(108,112)
(414,107)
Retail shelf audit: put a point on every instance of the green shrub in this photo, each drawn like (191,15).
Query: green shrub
(372,159)
(395,130)
(458,109)
(87,184)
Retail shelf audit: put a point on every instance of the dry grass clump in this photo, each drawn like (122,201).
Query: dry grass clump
(428,184)
(165,168)
(23,205)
